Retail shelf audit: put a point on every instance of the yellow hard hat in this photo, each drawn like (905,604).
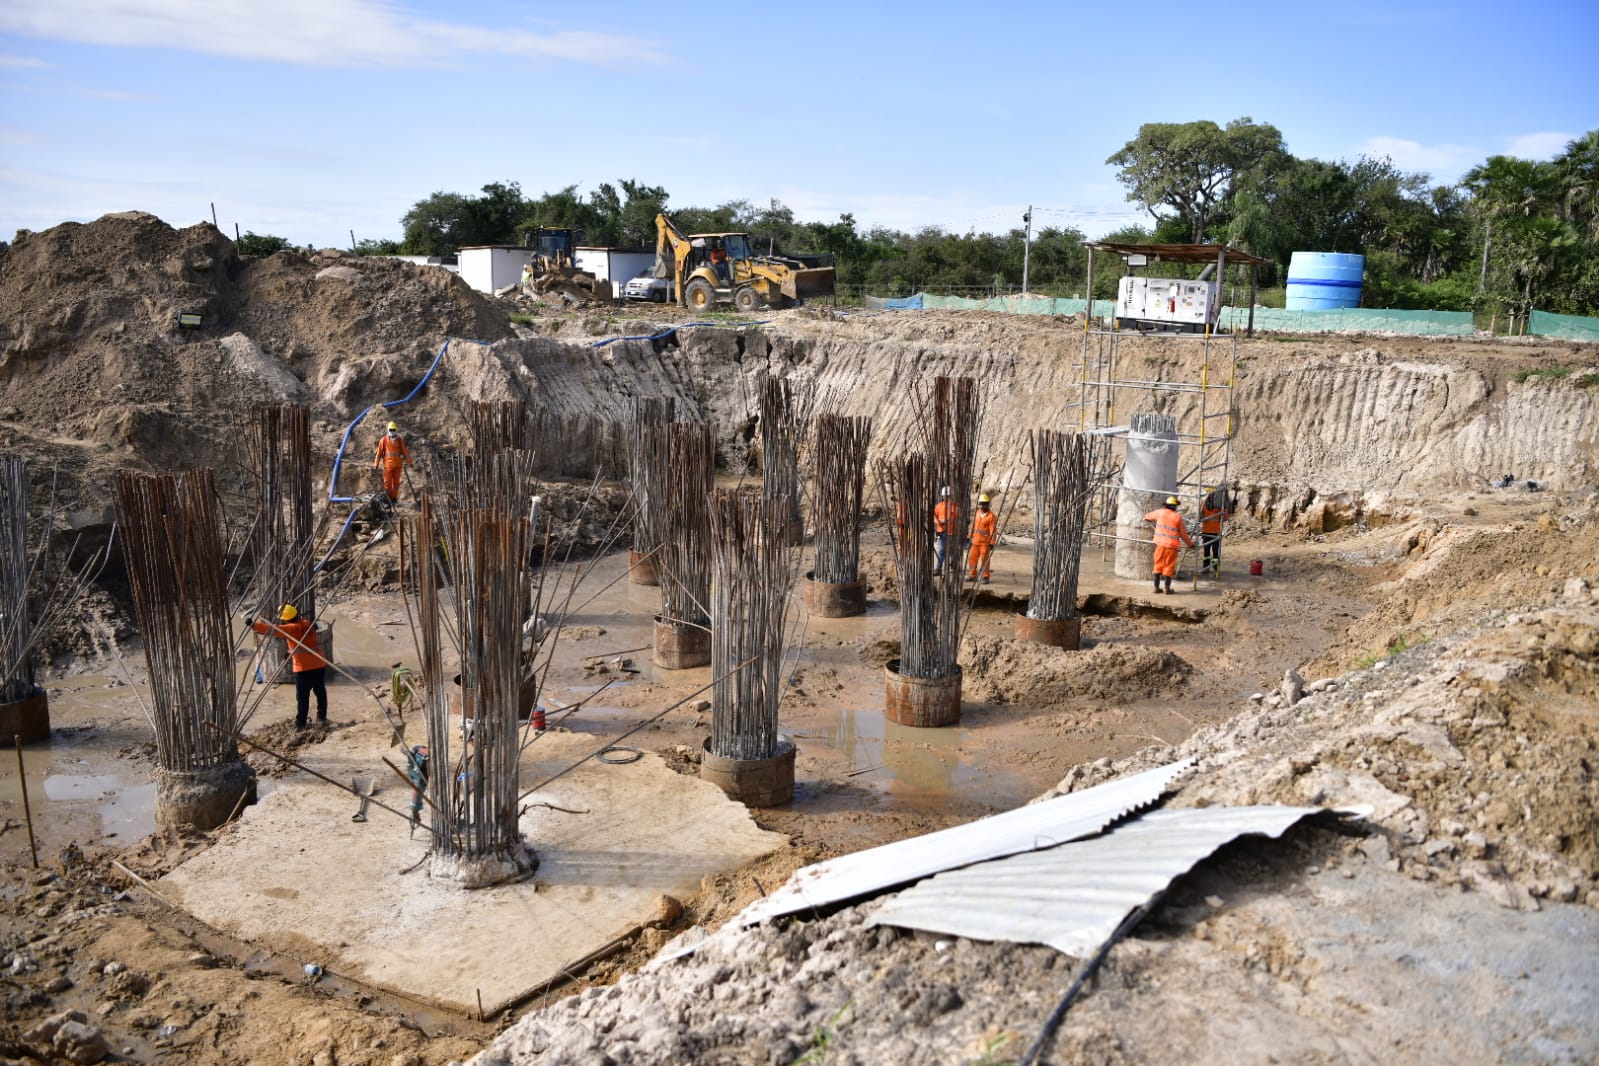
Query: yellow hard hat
(983,498)
(1171,501)
(394,425)
(287,613)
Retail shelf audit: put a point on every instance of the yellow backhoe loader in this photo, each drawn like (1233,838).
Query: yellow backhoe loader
(555,270)
(711,269)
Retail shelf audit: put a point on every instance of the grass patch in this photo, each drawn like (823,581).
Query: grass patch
(1587,380)
(522,318)
(823,1038)
(1544,373)
(1401,643)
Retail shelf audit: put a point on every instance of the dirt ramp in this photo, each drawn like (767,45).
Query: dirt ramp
(1004,670)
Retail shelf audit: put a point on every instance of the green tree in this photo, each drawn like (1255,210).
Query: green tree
(260,244)
(434,226)
(1507,193)
(1192,168)
(377,246)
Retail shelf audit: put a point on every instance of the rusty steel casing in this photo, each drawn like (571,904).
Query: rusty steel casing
(753,782)
(1064,633)
(835,599)
(921,702)
(681,647)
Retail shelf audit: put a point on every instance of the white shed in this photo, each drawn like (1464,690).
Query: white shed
(491,267)
(615,265)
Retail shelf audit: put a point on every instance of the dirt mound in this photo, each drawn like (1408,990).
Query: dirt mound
(95,371)
(1453,574)
(1005,670)
(1478,754)
(283,738)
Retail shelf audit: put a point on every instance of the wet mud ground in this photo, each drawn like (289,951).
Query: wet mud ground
(860,779)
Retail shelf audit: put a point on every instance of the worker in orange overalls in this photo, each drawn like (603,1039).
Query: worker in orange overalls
(393,456)
(305,655)
(1212,512)
(946,520)
(1171,533)
(985,532)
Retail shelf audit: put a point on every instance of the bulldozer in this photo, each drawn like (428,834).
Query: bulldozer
(708,270)
(555,269)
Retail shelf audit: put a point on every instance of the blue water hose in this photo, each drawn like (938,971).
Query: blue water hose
(338,458)
(344,442)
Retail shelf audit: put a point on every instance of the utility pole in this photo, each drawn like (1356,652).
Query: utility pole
(1027,245)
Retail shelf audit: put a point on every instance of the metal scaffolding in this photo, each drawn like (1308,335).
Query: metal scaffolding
(1201,402)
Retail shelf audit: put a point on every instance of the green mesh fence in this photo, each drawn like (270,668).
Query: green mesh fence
(1566,327)
(1267,319)
(1354,319)
(1016,305)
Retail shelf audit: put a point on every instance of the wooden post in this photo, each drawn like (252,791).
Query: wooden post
(1251,299)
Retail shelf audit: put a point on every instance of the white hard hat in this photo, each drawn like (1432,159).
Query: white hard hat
(943,491)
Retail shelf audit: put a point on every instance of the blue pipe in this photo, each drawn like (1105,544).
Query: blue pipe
(338,458)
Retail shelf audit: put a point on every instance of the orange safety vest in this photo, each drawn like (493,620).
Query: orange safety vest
(305,652)
(1170,530)
(985,527)
(1210,519)
(392,452)
(945,516)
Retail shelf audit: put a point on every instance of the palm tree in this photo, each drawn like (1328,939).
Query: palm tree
(1504,190)
(1578,169)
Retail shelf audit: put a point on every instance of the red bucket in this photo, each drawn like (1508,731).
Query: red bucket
(1256,567)
(538,723)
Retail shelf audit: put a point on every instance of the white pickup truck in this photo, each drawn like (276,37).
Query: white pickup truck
(647,287)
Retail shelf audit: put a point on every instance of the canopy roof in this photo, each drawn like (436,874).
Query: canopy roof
(1178,253)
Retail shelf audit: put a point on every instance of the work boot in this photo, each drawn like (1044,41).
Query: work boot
(1168,587)
(299,723)
(1158,589)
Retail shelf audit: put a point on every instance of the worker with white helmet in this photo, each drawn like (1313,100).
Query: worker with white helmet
(392,458)
(985,533)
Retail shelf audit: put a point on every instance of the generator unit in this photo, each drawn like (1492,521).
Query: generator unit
(1170,304)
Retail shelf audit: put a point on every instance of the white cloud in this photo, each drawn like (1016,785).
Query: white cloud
(1443,161)
(331,33)
(11,62)
(1539,145)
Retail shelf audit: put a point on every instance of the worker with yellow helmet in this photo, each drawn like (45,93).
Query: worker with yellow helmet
(1171,533)
(392,458)
(985,532)
(305,656)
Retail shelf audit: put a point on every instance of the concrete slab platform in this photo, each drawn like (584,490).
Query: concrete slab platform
(296,875)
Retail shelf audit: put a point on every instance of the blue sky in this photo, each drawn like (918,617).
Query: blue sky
(310,118)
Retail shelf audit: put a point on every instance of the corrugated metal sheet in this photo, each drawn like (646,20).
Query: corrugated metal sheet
(1041,825)
(1073,897)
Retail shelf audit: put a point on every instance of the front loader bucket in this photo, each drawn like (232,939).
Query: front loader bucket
(810,282)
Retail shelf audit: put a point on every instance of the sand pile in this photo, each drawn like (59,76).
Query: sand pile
(1005,670)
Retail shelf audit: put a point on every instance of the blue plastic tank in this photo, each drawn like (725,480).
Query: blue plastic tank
(1324,281)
